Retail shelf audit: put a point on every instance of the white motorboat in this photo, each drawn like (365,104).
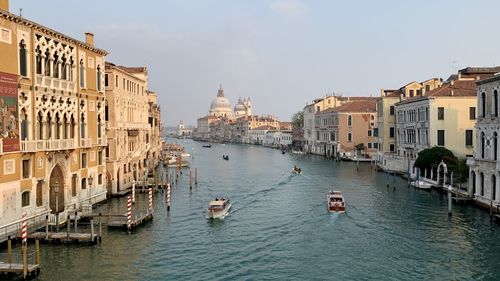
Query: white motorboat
(421,184)
(296,170)
(218,208)
(336,203)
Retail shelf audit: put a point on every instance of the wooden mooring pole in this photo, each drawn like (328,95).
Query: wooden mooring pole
(195,176)
(9,251)
(190,180)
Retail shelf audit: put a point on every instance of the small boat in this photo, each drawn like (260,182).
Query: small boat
(218,208)
(225,157)
(296,170)
(283,152)
(421,184)
(336,202)
(207,145)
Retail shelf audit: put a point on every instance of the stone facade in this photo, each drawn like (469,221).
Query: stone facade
(133,127)
(485,164)
(53,129)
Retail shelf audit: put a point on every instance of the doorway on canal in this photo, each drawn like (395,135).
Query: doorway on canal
(56,190)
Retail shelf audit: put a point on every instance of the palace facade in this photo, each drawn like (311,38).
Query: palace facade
(52,102)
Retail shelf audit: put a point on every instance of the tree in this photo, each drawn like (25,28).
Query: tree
(360,147)
(298,119)
(431,157)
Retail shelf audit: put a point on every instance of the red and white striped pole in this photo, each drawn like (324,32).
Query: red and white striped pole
(151,199)
(24,229)
(168,196)
(129,213)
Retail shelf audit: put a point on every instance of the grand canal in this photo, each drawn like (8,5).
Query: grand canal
(279,228)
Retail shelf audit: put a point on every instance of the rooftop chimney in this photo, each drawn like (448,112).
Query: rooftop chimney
(4,5)
(89,37)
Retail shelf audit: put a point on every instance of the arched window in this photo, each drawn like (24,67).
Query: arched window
(82,74)
(38,61)
(23,60)
(495,146)
(48,127)
(72,127)
(483,104)
(65,126)
(349,120)
(56,66)
(493,187)
(84,183)
(64,68)
(39,120)
(82,126)
(99,127)
(57,125)
(482,145)
(25,199)
(481,184)
(495,103)
(70,70)
(99,82)
(24,125)
(47,63)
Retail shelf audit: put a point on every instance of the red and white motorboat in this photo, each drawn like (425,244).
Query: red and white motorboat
(218,208)
(336,203)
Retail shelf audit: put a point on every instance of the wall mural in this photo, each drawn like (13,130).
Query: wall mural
(9,122)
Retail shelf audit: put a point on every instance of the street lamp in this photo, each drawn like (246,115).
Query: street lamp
(55,187)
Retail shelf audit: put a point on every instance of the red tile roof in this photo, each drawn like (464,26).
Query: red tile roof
(456,88)
(357,106)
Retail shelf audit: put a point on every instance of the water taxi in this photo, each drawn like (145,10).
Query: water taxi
(218,208)
(336,203)
(421,184)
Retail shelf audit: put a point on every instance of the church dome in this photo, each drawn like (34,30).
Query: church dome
(240,106)
(221,106)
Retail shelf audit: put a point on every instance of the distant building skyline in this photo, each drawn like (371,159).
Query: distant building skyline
(282,53)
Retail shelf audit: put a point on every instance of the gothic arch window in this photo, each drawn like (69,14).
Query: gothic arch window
(70,70)
(47,63)
(38,61)
(99,74)
(82,126)
(495,103)
(483,104)
(65,126)
(48,126)
(482,145)
(495,146)
(57,125)
(72,127)
(23,60)
(39,120)
(56,64)
(64,68)
(24,125)
(82,74)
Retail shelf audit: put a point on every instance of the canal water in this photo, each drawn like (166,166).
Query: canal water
(279,228)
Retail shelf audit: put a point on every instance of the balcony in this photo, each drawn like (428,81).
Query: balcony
(55,83)
(86,142)
(47,145)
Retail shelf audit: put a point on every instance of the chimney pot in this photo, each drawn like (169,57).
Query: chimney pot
(4,5)
(89,38)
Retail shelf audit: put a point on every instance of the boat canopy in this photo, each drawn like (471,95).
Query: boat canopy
(217,203)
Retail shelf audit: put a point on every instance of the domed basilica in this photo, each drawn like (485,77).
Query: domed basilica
(221,107)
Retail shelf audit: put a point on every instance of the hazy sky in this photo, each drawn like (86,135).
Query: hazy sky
(281,53)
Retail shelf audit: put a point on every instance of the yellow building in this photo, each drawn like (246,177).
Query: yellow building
(52,122)
(133,127)
(386,134)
